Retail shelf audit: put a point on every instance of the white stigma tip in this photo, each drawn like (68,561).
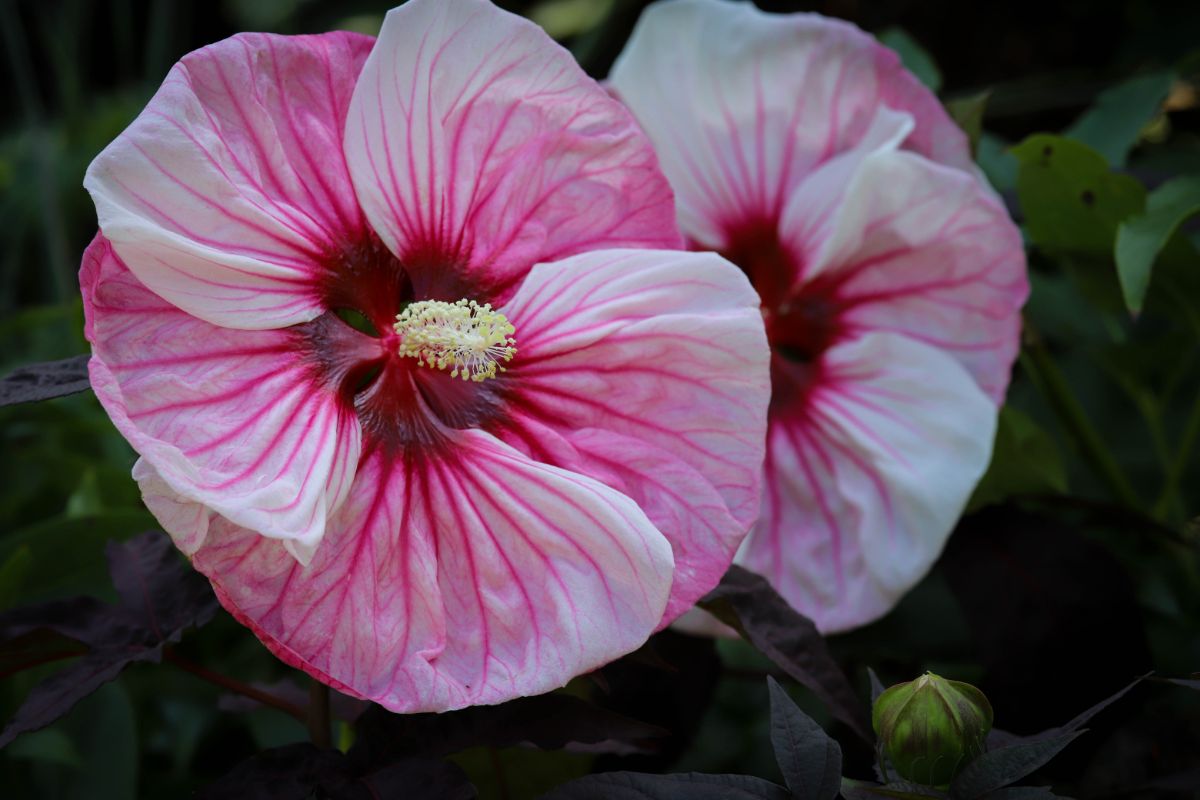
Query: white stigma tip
(466,338)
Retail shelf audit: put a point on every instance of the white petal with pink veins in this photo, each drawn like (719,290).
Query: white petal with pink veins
(228,190)
(232,420)
(866,478)
(654,366)
(473,138)
(919,249)
(449,580)
(755,101)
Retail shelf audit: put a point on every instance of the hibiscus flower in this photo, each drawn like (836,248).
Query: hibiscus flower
(407,383)
(890,278)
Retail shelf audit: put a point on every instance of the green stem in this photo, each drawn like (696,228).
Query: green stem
(1037,361)
(318,716)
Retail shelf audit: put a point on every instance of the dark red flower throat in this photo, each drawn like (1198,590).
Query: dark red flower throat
(353,346)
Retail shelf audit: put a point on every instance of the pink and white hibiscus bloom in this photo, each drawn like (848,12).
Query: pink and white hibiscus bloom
(891,281)
(539,442)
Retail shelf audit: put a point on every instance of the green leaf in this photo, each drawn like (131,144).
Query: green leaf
(1142,237)
(967,112)
(1025,460)
(1072,202)
(51,746)
(68,554)
(1112,125)
(916,59)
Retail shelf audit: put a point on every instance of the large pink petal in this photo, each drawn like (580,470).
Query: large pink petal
(916,248)
(230,189)
(476,141)
(866,475)
(653,366)
(742,104)
(233,422)
(470,575)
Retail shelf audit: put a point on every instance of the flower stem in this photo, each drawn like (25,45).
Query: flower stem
(1046,375)
(234,685)
(318,715)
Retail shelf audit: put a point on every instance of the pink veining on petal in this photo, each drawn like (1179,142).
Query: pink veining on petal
(865,479)
(652,367)
(757,101)
(488,145)
(466,577)
(233,420)
(801,150)
(223,196)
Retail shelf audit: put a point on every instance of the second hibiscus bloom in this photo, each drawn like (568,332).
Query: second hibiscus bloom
(890,278)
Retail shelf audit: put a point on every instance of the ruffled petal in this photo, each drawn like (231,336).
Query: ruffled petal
(468,576)
(227,422)
(476,142)
(756,101)
(653,366)
(227,192)
(866,475)
(916,248)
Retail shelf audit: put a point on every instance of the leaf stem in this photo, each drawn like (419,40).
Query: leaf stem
(234,685)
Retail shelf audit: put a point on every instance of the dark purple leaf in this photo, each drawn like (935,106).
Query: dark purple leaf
(1184,682)
(996,769)
(1023,793)
(45,381)
(810,761)
(302,771)
(746,602)
(548,722)
(155,584)
(159,598)
(689,786)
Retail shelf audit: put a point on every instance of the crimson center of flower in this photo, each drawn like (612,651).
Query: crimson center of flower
(407,357)
(802,317)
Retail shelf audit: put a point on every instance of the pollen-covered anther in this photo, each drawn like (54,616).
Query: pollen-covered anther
(469,339)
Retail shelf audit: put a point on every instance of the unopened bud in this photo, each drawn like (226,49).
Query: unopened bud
(931,728)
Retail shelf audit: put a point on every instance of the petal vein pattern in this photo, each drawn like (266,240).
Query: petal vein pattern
(800,149)
(221,197)
(461,580)
(652,366)
(232,420)
(486,143)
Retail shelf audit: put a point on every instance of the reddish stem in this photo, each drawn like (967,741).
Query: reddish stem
(236,686)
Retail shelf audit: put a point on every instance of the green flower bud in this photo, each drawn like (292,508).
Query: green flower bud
(931,728)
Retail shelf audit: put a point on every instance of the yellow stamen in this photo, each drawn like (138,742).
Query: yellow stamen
(467,338)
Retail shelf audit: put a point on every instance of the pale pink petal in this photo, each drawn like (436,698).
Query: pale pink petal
(653,366)
(742,104)
(477,142)
(229,191)
(467,575)
(916,248)
(233,420)
(866,477)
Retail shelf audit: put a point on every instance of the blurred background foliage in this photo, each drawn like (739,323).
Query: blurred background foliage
(1074,570)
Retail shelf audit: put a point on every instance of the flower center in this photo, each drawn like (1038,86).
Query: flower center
(464,337)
